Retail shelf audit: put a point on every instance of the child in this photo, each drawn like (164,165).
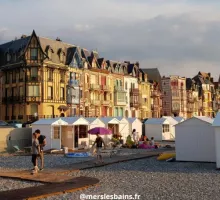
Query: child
(35,152)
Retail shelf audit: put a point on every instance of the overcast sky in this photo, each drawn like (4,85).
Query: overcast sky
(180,37)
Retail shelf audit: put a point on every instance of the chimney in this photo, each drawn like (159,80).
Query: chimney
(58,39)
(23,36)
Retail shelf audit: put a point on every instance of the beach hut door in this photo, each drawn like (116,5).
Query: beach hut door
(56,137)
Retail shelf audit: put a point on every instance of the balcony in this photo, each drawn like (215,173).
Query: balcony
(94,87)
(119,89)
(120,98)
(106,102)
(33,78)
(105,87)
(134,92)
(50,79)
(13,117)
(7,117)
(155,107)
(134,104)
(155,93)
(96,102)
(32,99)
(20,117)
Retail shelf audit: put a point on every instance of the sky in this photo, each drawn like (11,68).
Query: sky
(179,37)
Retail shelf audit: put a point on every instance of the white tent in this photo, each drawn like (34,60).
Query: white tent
(216,126)
(71,132)
(159,128)
(195,140)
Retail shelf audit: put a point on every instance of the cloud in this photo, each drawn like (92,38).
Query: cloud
(179,37)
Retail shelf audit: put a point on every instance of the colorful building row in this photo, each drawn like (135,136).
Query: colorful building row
(45,78)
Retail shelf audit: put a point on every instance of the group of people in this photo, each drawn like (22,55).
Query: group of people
(39,141)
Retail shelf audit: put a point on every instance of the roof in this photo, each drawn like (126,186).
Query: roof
(179,119)
(106,120)
(71,120)
(171,120)
(153,74)
(91,119)
(46,121)
(217,120)
(155,121)
(132,119)
(202,118)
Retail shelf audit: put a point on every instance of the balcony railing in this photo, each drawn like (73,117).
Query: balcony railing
(96,102)
(33,78)
(94,87)
(105,102)
(155,93)
(119,89)
(134,104)
(33,99)
(105,87)
(134,91)
(7,117)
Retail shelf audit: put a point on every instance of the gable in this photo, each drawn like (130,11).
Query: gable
(81,121)
(59,122)
(193,122)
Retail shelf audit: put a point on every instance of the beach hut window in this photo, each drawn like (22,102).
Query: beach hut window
(166,128)
(56,133)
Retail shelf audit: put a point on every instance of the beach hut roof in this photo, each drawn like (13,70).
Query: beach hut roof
(155,121)
(75,120)
(50,121)
(107,120)
(131,119)
(217,120)
(201,118)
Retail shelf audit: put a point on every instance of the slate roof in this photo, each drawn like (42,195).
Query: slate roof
(153,74)
(155,121)
(178,119)
(131,119)
(46,121)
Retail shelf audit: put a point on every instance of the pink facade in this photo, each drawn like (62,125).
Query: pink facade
(174,96)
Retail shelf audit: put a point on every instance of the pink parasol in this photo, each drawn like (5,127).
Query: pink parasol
(99,130)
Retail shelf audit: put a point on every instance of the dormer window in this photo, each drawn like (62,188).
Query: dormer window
(49,52)
(8,57)
(62,55)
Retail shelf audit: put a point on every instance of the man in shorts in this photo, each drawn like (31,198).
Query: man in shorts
(42,143)
(99,142)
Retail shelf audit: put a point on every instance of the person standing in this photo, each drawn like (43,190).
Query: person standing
(35,152)
(99,142)
(42,143)
(152,143)
(135,136)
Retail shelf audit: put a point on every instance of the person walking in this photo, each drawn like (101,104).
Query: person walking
(35,152)
(42,143)
(99,142)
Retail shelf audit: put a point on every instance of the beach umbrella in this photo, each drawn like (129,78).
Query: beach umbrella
(99,130)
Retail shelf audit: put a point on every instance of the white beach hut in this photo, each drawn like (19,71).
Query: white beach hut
(159,128)
(216,126)
(93,123)
(46,127)
(124,128)
(135,123)
(71,132)
(172,121)
(195,140)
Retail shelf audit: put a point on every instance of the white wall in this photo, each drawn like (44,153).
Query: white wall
(124,129)
(195,141)
(217,145)
(154,130)
(136,125)
(47,131)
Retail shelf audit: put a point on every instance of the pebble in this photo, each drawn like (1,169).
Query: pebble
(149,178)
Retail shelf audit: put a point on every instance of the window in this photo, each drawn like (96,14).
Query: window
(56,133)
(21,75)
(50,75)
(61,57)
(83,132)
(80,94)
(8,57)
(62,76)
(166,128)
(61,93)
(34,72)
(21,91)
(13,77)
(14,91)
(33,91)
(126,85)
(50,92)
(34,54)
